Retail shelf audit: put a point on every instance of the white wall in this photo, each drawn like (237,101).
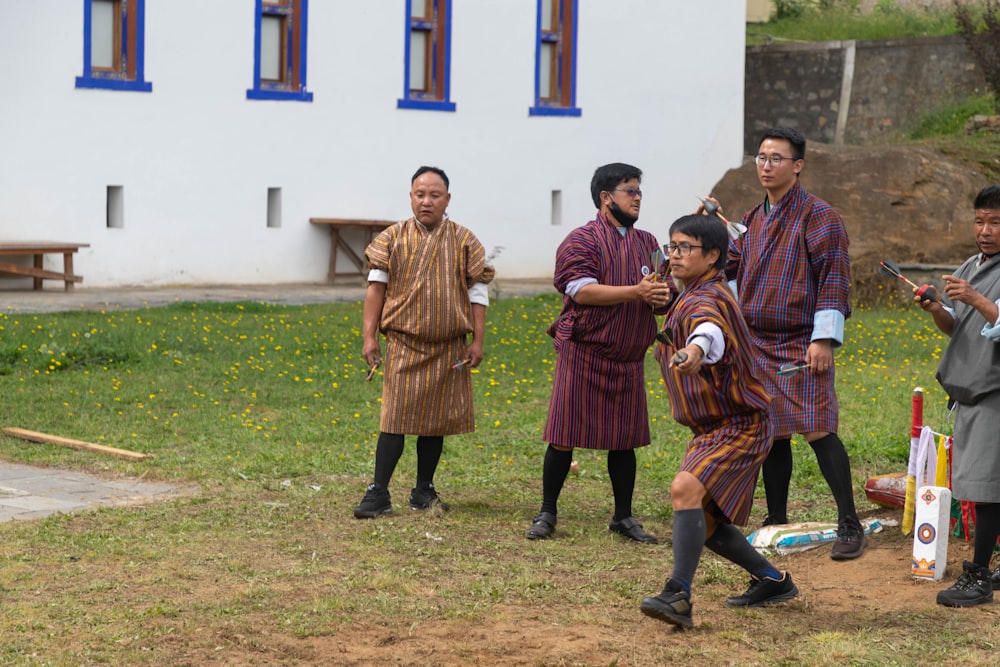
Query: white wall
(659,81)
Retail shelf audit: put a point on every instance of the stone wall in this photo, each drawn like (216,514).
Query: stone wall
(854,92)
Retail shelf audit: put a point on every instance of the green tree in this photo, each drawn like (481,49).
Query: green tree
(979,26)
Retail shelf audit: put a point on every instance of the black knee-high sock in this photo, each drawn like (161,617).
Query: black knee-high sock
(777,474)
(621,470)
(836,468)
(429,448)
(554,471)
(987,531)
(729,542)
(387,453)
(688,539)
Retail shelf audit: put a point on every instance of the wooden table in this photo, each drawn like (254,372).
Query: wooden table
(369,228)
(38,249)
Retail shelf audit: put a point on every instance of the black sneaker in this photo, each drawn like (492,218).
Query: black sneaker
(542,526)
(375,503)
(673,605)
(764,592)
(973,587)
(774,521)
(425,497)
(995,578)
(851,540)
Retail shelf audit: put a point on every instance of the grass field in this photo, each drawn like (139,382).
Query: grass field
(830,20)
(229,391)
(266,409)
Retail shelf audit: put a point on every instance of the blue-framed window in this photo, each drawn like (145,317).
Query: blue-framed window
(279,51)
(114,45)
(555,59)
(427,69)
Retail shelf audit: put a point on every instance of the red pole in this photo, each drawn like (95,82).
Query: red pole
(917,414)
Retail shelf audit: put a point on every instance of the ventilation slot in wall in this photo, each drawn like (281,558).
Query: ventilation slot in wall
(116,207)
(556,208)
(273,207)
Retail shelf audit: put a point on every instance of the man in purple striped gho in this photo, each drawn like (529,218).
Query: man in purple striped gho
(793,277)
(610,284)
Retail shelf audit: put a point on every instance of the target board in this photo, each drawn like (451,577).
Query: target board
(930,539)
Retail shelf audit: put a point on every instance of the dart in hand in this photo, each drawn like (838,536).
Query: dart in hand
(791,369)
(925,292)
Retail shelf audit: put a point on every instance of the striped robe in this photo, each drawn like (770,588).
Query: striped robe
(598,394)
(725,404)
(425,319)
(791,263)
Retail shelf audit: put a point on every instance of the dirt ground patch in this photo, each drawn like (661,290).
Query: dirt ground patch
(875,595)
(286,580)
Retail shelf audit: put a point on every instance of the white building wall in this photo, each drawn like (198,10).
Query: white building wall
(659,83)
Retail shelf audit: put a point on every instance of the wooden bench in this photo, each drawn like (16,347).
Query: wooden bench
(38,249)
(369,229)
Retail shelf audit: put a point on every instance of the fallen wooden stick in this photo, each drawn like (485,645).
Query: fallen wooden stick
(35,436)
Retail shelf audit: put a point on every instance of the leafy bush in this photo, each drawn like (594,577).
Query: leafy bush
(951,118)
(979,26)
(829,20)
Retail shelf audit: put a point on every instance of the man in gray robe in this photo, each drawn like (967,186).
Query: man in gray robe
(970,373)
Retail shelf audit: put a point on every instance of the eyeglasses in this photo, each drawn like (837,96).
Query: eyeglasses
(682,249)
(775,159)
(631,192)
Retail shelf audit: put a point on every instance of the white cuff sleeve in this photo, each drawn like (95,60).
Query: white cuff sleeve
(829,325)
(480,293)
(574,286)
(710,339)
(992,331)
(378,276)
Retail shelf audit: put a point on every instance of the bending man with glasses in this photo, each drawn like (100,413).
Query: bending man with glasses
(715,391)
(608,274)
(793,275)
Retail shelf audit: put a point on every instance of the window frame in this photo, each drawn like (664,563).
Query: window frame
(294,43)
(437,26)
(129,61)
(563,73)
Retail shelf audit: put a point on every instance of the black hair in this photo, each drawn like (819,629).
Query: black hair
(434,170)
(710,232)
(988,197)
(608,177)
(789,134)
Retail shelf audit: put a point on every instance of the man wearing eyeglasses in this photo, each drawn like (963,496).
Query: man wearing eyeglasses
(605,271)
(793,272)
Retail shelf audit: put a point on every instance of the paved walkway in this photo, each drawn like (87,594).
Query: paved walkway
(54,299)
(27,492)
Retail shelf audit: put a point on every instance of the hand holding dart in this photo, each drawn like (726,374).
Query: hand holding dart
(786,370)
(371,371)
(925,292)
(734,229)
